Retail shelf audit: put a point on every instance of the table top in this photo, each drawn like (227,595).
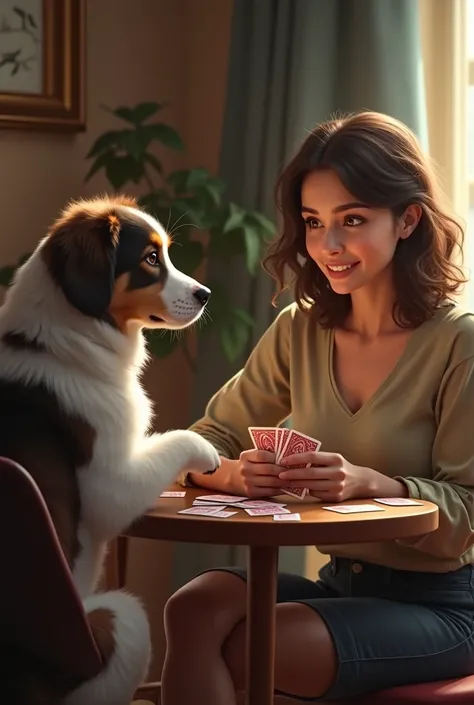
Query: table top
(317,526)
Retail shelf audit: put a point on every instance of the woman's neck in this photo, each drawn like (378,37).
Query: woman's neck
(371,314)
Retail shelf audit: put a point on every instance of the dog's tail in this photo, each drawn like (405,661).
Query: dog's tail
(121,631)
(120,628)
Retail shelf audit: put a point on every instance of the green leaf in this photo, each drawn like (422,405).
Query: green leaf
(120,170)
(104,142)
(214,192)
(265,224)
(253,248)
(187,257)
(235,333)
(155,163)
(161,343)
(235,218)
(100,163)
(138,114)
(197,177)
(185,180)
(155,200)
(219,303)
(244,316)
(134,142)
(164,134)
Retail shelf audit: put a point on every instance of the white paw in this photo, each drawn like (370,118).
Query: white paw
(201,456)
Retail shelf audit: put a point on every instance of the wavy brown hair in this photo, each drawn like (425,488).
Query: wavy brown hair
(379,161)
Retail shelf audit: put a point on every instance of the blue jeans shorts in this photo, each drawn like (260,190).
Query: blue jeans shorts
(390,627)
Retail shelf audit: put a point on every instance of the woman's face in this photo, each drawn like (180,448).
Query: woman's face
(352,244)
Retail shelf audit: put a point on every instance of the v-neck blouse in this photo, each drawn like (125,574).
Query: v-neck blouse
(418,426)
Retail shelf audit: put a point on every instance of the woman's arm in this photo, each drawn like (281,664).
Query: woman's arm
(452,485)
(258,395)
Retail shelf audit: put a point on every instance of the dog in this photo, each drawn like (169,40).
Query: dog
(74,414)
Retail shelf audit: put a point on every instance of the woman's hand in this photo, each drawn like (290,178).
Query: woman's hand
(332,478)
(255,474)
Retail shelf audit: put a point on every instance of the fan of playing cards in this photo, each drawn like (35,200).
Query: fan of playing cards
(284,442)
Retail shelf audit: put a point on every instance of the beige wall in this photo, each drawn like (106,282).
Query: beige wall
(164,50)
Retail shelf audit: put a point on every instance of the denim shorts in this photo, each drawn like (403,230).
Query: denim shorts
(390,627)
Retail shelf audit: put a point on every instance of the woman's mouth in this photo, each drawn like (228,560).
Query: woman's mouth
(339,271)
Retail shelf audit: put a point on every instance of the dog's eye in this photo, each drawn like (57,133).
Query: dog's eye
(152,259)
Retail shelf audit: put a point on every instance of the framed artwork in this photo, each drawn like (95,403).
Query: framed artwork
(42,64)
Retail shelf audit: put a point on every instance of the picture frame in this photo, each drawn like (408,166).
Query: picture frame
(42,65)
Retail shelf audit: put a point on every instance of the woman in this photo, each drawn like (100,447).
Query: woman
(377,362)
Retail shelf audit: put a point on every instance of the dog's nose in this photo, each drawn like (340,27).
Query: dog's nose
(202,294)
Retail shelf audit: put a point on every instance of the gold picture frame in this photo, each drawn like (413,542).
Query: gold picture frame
(42,65)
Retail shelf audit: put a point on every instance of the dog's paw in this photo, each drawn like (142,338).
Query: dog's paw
(201,456)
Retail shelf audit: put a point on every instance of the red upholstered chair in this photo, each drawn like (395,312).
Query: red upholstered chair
(41,614)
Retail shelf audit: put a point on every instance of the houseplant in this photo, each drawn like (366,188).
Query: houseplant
(192,204)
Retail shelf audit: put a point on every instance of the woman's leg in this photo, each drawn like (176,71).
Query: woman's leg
(201,616)
(350,634)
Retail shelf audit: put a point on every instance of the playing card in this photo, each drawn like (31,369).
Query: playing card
(297,442)
(200,503)
(399,502)
(354,508)
(282,435)
(266,511)
(204,511)
(221,498)
(294,516)
(297,492)
(223,515)
(173,494)
(263,437)
(254,503)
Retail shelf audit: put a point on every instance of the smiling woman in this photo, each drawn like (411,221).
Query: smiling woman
(376,361)
(364,180)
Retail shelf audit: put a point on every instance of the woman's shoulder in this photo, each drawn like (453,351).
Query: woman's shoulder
(452,328)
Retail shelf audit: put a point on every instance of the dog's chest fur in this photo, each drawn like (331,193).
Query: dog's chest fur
(71,430)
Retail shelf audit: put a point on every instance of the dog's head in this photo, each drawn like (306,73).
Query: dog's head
(110,258)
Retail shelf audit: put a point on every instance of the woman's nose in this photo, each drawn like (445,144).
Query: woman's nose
(333,242)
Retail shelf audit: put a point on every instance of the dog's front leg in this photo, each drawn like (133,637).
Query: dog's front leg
(113,497)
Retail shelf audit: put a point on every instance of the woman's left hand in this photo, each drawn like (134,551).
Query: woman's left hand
(332,478)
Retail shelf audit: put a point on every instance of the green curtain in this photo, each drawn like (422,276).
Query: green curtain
(292,64)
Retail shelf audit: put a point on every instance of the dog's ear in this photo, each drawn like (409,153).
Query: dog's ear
(80,254)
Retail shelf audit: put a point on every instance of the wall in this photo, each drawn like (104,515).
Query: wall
(173,51)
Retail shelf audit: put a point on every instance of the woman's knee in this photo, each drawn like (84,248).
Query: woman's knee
(215,598)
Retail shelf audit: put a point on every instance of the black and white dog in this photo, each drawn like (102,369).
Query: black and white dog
(73,411)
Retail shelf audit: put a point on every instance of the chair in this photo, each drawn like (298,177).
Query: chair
(39,584)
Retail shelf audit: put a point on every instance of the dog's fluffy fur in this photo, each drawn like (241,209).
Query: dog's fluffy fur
(73,411)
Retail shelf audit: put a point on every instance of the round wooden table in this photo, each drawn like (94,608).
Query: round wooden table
(262,535)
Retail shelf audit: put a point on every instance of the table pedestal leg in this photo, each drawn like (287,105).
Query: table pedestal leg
(261,600)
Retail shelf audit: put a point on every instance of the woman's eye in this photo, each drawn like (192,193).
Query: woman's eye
(353,220)
(312,223)
(152,259)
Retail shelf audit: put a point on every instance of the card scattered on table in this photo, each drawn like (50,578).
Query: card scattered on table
(173,494)
(266,511)
(201,511)
(294,516)
(355,508)
(284,442)
(255,503)
(399,502)
(220,498)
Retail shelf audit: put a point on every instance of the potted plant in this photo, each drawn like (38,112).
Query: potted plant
(187,202)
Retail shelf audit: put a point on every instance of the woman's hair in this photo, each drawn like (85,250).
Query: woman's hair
(379,161)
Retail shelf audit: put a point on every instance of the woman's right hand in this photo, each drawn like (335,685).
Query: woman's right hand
(255,474)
